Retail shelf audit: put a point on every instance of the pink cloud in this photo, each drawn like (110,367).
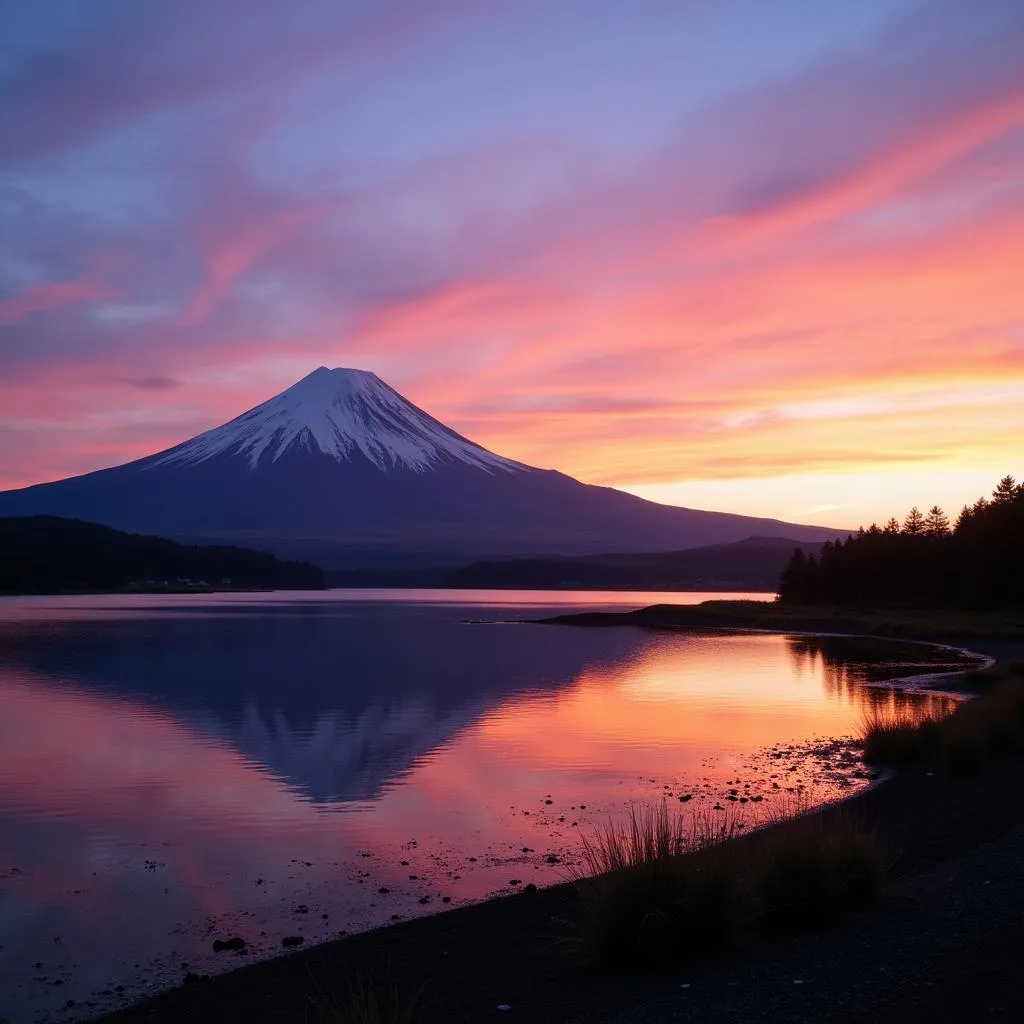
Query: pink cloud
(229,254)
(48,295)
(880,178)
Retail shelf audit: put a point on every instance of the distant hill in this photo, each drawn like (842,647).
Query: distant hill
(48,554)
(755,563)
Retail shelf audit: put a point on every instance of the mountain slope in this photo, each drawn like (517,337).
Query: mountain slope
(342,470)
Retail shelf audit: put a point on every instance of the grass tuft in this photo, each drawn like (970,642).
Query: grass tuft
(361,1003)
(663,889)
(963,742)
(814,870)
(659,888)
(899,737)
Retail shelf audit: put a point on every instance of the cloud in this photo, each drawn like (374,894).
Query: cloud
(880,178)
(121,63)
(153,383)
(49,295)
(229,256)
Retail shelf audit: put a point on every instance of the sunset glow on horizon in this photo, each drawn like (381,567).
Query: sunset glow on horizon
(765,259)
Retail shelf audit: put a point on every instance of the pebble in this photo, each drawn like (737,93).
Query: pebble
(228,944)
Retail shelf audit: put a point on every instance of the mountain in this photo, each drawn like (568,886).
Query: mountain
(342,470)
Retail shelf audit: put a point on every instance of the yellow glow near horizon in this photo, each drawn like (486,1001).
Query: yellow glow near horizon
(842,500)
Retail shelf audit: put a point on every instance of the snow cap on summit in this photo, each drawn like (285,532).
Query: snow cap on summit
(343,413)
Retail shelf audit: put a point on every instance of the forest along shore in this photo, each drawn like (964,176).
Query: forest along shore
(521,951)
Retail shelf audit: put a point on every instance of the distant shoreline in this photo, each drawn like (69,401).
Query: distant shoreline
(696,588)
(126,591)
(950,626)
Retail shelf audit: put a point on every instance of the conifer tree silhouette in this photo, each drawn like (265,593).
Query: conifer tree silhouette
(977,562)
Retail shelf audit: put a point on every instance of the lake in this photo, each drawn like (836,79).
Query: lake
(180,769)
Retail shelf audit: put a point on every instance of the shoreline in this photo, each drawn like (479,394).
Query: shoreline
(949,627)
(525,931)
(514,949)
(1002,641)
(134,591)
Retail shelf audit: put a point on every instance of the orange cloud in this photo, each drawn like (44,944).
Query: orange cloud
(723,355)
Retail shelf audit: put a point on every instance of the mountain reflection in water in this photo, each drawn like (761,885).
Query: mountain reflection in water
(165,771)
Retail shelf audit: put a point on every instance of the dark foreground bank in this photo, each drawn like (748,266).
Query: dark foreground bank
(518,951)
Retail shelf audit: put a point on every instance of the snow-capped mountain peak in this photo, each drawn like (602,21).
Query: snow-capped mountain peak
(342,413)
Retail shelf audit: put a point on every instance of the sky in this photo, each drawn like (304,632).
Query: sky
(764,258)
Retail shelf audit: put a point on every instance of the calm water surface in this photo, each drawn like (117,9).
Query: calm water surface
(179,769)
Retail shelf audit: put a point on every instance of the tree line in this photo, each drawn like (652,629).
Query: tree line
(48,554)
(976,561)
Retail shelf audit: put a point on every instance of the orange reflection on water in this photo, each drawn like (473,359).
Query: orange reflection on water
(679,697)
(686,713)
